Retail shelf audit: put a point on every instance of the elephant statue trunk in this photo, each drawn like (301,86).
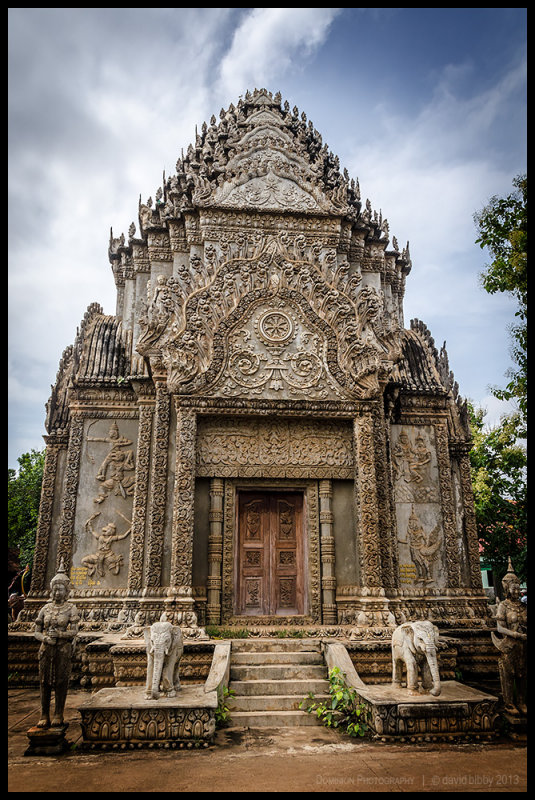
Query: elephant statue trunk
(430,672)
(414,645)
(157,668)
(164,647)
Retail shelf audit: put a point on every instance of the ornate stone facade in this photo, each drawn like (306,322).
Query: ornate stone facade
(259,346)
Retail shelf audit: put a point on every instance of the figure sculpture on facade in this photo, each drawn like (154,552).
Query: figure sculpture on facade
(56,627)
(105,556)
(414,644)
(511,623)
(112,472)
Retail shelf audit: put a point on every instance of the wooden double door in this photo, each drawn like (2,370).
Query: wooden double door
(270,554)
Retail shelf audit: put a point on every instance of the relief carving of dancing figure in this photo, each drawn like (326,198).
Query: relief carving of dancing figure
(512,641)
(113,472)
(105,557)
(423,547)
(56,627)
(401,455)
(412,469)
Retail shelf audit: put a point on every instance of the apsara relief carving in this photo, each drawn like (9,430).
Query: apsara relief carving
(109,466)
(420,536)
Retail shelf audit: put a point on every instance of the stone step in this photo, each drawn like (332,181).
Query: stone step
(269,702)
(270,678)
(300,687)
(250,657)
(272,719)
(275,645)
(278,672)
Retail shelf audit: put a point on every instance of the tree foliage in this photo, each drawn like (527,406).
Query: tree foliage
(502,227)
(24,494)
(498,463)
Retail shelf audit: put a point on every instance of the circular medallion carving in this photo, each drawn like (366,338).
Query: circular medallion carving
(276,327)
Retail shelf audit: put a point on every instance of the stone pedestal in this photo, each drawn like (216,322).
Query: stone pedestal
(517,725)
(122,718)
(47,741)
(459,712)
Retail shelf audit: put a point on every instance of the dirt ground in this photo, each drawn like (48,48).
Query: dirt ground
(308,759)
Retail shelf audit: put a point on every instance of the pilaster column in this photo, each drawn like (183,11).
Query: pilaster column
(215,552)
(72,478)
(367,513)
(470,525)
(54,446)
(385,502)
(183,509)
(158,485)
(453,565)
(327,550)
(141,495)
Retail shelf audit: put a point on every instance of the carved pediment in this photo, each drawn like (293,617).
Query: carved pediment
(274,351)
(220,337)
(270,192)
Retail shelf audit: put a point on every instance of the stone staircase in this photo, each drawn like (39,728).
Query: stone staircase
(270,677)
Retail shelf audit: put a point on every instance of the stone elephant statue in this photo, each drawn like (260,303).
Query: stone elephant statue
(415,645)
(164,645)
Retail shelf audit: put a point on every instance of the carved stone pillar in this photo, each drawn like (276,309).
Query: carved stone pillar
(366,501)
(158,486)
(54,446)
(385,502)
(141,495)
(470,526)
(180,589)
(327,550)
(453,566)
(215,552)
(72,478)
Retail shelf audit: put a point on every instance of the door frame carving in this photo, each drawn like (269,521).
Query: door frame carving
(311,560)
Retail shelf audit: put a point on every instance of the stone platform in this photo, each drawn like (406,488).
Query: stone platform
(459,712)
(122,718)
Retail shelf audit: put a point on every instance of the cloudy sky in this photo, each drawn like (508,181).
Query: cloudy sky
(426,107)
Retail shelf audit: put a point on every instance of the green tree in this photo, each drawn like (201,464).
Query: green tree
(502,227)
(24,494)
(498,463)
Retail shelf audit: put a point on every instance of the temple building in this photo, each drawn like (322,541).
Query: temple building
(255,439)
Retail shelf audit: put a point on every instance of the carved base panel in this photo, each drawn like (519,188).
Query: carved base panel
(459,608)
(122,718)
(459,712)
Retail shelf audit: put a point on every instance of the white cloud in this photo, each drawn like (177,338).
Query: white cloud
(268,42)
(103,100)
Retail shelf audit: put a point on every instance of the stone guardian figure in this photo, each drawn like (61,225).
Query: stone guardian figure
(56,627)
(511,624)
